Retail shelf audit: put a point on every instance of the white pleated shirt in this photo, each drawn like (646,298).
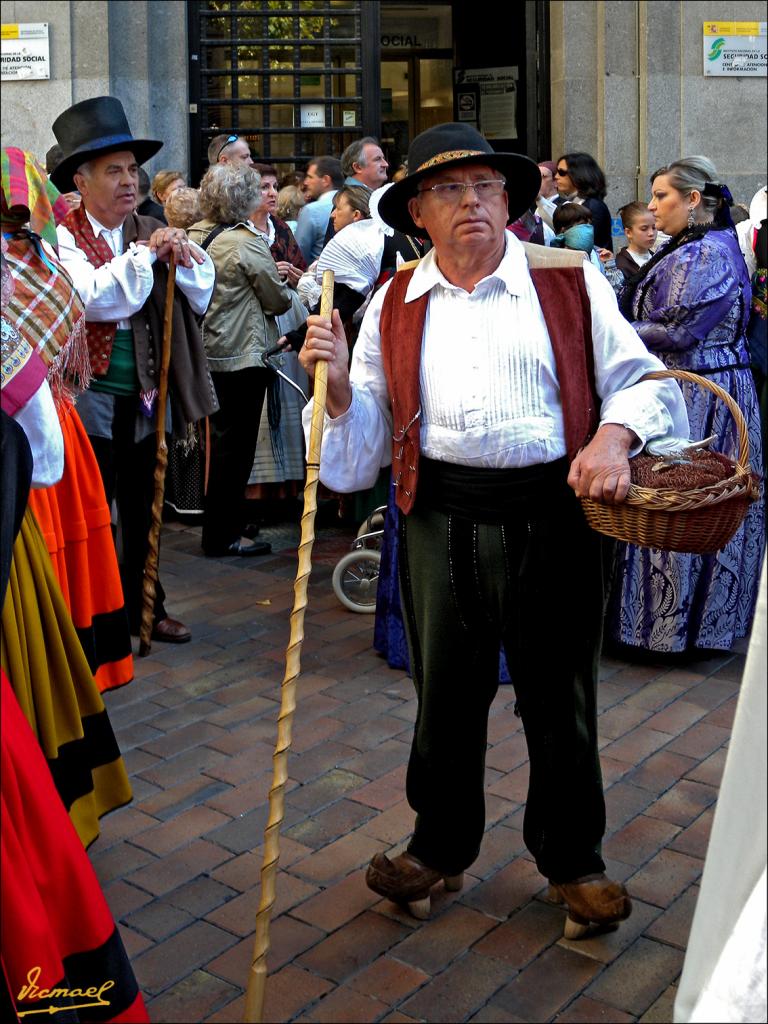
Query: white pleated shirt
(488,385)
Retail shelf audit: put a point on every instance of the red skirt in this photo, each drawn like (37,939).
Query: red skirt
(57,930)
(75,522)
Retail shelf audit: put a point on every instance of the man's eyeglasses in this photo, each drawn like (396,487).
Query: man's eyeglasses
(230,140)
(453,191)
(562,172)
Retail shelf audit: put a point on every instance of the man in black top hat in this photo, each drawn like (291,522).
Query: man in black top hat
(501,381)
(118,263)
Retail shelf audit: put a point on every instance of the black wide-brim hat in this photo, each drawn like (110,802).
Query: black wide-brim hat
(91,129)
(453,145)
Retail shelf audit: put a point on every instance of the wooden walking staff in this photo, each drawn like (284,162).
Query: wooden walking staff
(150,566)
(257,979)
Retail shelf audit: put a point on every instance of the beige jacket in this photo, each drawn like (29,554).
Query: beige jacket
(240,323)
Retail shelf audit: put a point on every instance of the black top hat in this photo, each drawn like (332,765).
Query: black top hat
(91,129)
(453,145)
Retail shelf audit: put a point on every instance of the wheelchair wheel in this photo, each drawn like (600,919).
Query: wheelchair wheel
(355,580)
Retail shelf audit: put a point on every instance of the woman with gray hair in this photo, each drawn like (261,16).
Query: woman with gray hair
(238,328)
(690,305)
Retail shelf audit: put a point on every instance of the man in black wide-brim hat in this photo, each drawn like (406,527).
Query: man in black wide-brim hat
(118,263)
(500,379)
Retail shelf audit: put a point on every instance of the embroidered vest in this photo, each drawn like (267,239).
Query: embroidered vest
(101,336)
(558,278)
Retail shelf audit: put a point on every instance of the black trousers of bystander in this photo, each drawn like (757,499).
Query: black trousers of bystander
(234,431)
(128,472)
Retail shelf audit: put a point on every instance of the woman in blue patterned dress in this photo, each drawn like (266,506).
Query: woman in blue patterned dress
(690,305)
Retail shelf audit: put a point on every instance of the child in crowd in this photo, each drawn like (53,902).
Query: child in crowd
(640,229)
(573,230)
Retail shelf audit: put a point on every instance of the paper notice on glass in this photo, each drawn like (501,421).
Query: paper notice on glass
(498,99)
(498,111)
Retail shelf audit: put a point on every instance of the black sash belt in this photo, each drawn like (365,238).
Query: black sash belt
(493,495)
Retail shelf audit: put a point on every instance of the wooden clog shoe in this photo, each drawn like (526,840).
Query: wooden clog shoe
(408,882)
(592,899)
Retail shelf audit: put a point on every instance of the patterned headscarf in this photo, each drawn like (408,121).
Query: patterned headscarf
(28,197)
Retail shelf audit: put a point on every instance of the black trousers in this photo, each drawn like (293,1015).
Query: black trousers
(128,471)
(234,430)
(535,585)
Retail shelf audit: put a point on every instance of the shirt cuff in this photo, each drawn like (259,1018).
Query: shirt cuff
(141,254)
(636,448)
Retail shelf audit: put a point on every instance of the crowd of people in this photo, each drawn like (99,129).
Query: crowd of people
(481,377)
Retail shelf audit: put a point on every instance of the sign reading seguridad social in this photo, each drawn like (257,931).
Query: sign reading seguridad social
(25,52)
(735,48)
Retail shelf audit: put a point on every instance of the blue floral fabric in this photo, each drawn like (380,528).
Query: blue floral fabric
(691,310)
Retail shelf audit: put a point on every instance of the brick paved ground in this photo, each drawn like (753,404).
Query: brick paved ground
(180,865)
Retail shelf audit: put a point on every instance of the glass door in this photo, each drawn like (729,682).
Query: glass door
(396,110)
(435,91)
(416,93)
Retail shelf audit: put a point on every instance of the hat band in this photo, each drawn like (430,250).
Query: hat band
(450,154)
(102,142)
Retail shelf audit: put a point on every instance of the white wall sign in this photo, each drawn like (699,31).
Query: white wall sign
(497,91)
(313,115)
(735,49)
(25,52)
(348,118)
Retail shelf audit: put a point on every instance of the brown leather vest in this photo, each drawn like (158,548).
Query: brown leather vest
(558,278)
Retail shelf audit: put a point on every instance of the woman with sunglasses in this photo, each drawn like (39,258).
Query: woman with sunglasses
(580,179)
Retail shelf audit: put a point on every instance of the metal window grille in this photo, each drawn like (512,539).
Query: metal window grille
(292,77)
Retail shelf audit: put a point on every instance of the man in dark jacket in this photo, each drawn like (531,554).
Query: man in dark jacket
(118,263)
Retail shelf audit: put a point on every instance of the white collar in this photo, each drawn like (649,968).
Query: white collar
(269,234)
(513,264)
(98,227)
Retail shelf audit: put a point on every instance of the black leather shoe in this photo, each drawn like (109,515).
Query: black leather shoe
(256,547)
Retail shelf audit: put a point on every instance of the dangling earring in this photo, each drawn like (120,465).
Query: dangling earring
(691,220)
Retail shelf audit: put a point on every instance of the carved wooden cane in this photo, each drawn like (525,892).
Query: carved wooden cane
(161,463)
(257,978)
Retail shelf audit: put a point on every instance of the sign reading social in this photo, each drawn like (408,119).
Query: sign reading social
(25,52)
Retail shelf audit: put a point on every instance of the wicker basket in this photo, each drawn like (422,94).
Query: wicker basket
(699,521)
